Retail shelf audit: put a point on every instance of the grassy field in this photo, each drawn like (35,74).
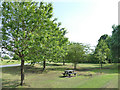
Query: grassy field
(53,78)
(9,62)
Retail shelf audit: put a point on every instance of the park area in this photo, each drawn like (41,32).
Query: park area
(88,76)
(38,50)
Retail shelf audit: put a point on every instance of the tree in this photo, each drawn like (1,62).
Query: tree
(115,43)
(76,53)
(101,51)
(90,57)
(88,54)
(53,44)
(49,40)
(107,40)
(20,20)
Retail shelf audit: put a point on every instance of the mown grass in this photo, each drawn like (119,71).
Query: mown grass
(9,62)
(88,76)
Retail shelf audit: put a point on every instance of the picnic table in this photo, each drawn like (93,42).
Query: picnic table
(69,73)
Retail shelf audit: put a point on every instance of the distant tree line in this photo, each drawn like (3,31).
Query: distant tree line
(106,51)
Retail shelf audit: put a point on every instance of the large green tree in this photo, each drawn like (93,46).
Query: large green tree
(50,48)
(49,45)
(76,53)
(20,21)
(107,39)
(101,52)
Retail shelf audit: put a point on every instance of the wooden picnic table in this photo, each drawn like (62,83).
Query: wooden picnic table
(69,73)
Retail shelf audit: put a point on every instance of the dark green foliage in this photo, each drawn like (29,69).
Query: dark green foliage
(102,51)
(103,37)
(76,53)
(50,43)
(103,48)
(115,43)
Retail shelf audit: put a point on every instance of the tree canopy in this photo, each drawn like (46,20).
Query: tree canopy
(49,44)
(102,51)
(76,53)
(115,43)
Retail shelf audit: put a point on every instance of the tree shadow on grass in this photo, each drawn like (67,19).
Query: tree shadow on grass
(7,83)
(105,69)
(62,76)
(32,69)
(38,70)
(27,69)
(59,69)
(11,70)
(66,76)
(53,64)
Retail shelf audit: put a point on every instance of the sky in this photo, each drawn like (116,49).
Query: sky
(86,20)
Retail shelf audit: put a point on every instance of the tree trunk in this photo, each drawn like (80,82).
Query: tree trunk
(75,64)
(22,72)
(100,67)
(44,64)
(63,62)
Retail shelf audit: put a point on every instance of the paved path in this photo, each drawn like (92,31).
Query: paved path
(12,65)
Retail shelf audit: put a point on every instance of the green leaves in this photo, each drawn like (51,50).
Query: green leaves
(75,52)
(115,43)
(19,20)
(29,31)
(102,50)
(47,40)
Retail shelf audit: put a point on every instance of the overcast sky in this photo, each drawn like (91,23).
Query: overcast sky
(86,20)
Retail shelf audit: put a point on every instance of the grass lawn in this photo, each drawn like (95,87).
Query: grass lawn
(52,77)
(9,62)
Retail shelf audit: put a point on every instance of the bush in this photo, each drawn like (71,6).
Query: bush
(6,57)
